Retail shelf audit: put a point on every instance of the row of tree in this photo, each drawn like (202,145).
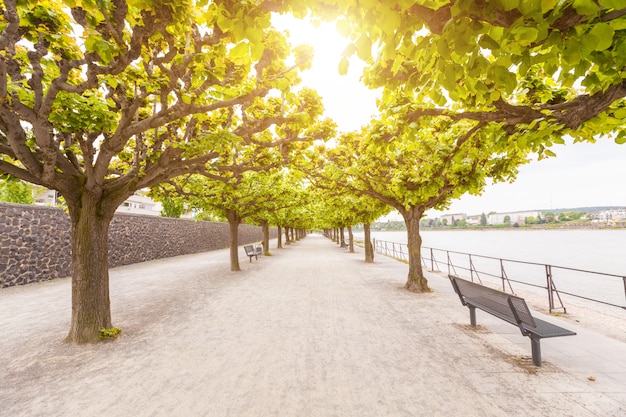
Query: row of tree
(198,100)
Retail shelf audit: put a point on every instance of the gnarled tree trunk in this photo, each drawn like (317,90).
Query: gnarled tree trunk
(416,281)
(91,306)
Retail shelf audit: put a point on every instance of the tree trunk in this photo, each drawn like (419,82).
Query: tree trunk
(369,249)
(293,234)
(279,244)
(91,306)
(416,281)
(233,224)
(350,239)
(266,237)
(286,235)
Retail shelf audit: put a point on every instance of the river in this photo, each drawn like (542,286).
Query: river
(598,250)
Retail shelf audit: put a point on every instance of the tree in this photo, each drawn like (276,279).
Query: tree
(13,190)
(483,220)
(507,220)
(172,208)
(545,68)
(413,167)
(514,69)
(246,183)
(105,98)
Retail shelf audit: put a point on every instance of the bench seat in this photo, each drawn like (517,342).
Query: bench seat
(508,307)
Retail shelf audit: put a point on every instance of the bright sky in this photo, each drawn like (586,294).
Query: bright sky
(581,175)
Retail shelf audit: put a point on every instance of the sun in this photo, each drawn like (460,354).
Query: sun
(346,100)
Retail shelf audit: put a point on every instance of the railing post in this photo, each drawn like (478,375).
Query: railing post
(432,263)
(549,287)
(470,267)
(502,275)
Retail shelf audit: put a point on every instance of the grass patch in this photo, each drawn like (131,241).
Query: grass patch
(110,334)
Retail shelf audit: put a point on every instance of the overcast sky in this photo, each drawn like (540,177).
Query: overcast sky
(581,175)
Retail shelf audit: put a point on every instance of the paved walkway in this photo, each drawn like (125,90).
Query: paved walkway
(310,331)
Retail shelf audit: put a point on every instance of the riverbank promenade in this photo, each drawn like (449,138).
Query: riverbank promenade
(309,331)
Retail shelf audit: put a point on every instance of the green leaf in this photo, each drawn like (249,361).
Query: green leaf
(586,7)
(225,23)
(242,49)
(620,139)
(528,7)
(612,4)
(507,5)
(343,66)
(364,47)
(488,42)
(526,35)
(620,113)
(503,77)
(603,34)
(547,5)
(390,22)
(343,27)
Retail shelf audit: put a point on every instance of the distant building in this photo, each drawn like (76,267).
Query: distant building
(612,216)
(518,217)
(45,197)
(140,204)
(136,204)
(451,219)
(474,219)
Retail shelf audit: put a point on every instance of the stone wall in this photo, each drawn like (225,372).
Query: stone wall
(35,241)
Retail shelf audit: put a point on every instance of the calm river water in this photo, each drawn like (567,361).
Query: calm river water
(591,250)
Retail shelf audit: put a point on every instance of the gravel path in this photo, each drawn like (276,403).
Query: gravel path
(310,331)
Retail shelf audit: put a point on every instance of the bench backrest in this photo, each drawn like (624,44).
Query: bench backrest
(249,249)
(507,306)
(521,311)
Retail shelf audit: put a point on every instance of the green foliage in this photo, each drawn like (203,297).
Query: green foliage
(110,333)
(172,208)
(16,191)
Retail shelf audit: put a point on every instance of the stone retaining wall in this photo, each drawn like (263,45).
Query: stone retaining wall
(35,241)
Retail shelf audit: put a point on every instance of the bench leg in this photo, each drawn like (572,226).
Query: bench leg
(535,344)
(472,310)
(250,258)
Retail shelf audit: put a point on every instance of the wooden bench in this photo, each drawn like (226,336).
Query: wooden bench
(509,308)
(253,250)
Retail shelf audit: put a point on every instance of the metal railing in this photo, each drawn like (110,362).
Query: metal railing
(592,286)
(392,249)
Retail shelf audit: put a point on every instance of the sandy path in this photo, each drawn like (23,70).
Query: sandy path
(311,331)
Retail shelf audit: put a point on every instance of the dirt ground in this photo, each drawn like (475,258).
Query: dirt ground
(310,331)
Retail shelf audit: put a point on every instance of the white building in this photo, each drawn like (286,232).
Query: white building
(451,219)
(140,204)
(612,216)
(518,217)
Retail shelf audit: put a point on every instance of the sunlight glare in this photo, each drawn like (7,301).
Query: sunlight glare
(346,100)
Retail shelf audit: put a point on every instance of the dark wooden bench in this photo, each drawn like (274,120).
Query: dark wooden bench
(509,308)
